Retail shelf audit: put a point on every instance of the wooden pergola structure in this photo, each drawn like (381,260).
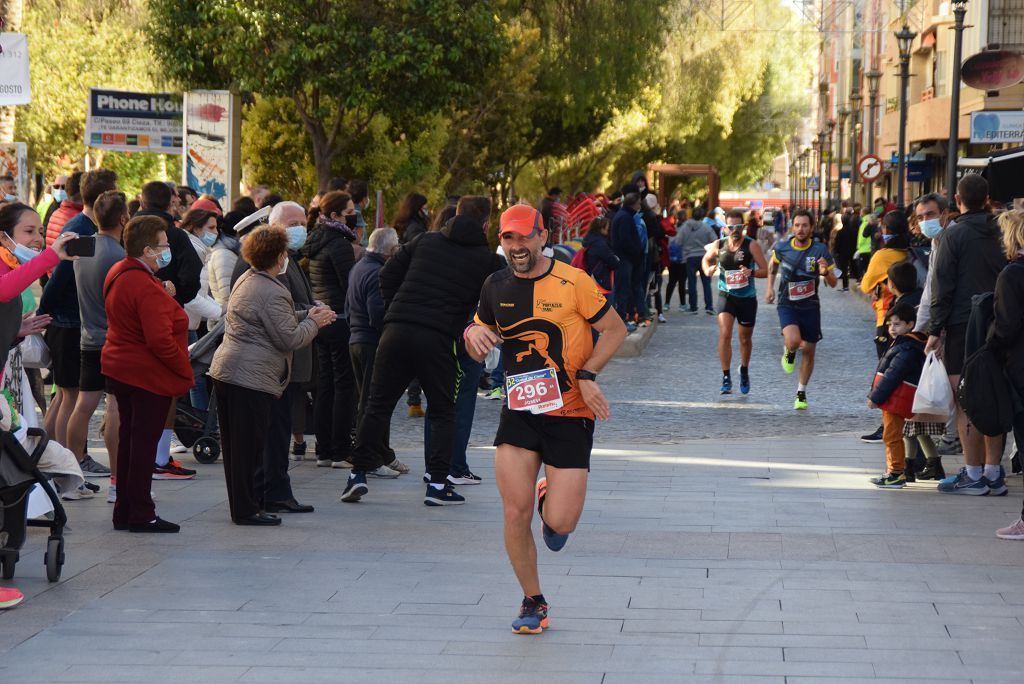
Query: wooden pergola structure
(655,173)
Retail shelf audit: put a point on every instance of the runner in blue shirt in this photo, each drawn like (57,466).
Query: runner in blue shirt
(797,265)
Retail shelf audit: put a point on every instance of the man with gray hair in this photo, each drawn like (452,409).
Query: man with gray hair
(365,307)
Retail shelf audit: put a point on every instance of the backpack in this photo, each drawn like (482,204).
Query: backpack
(919,259)
(579,259)
(985,395)
(675,252)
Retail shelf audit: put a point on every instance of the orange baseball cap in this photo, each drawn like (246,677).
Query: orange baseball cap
(522,219)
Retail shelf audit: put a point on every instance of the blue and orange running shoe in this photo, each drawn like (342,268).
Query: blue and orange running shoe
(533,617)
(553,540)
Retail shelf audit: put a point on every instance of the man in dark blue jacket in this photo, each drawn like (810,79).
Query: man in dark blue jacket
(626,245)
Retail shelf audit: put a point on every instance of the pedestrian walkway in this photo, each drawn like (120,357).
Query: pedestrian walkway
(735,560)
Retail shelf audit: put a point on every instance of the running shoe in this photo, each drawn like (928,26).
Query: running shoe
(800,404)
(442,497)
(873,438)
(533,617)
(553,540)
(112,493)
(726,386)
(177,447)
(662,319)
(399,466)
(963,484)
(355,488)
(10,597)
(383,472)
(416,411)
(76,494)
(1014,532)
(709,312)
(997,487)
(890,481)
(172,471)
(91,468)
(496,394)
(744,384)
(788,361)
(467,478)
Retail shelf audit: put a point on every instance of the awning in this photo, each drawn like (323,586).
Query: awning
(994,158)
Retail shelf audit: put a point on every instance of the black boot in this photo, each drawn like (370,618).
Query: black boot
(910,470)
(933,470)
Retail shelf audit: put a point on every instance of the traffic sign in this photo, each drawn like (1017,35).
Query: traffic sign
(812,183)
(870,168)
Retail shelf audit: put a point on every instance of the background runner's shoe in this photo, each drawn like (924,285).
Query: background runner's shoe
(533,617)
(553,540)
(788,361)
(726,386)
(801,401)
(744,385)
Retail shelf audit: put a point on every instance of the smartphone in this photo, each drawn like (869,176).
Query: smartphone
(82,246)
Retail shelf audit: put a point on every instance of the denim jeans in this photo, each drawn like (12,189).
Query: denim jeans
(693,268)
(465,408)
(199,395)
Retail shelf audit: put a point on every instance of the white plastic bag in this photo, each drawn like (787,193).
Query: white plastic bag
(934,397)
(34,352)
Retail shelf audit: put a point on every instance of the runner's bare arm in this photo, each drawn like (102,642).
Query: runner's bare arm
(762,265)
(613,332)
(710,261)
(826,269)
(479,341)
(773,270)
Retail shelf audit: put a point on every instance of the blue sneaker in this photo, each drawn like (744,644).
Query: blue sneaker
(963,484)
(533,617)
(355,488)
(630,326)
(726,385)
(442,497)
(553,540)
(997,487)
(744,384)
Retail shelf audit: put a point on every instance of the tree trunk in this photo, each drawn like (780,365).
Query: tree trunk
(11,12)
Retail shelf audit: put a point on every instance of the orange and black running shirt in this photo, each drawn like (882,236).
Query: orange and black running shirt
(544,322)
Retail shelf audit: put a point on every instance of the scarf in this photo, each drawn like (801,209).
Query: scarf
(8,258)
(339,226)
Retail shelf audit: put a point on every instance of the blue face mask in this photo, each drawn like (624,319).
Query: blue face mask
(59,196)
(10,198)
(163,259)
(24,254)
(887,238)
(296,236)
(208,239)
(931,228)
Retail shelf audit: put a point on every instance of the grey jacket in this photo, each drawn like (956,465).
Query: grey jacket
(693,236)
(261,331)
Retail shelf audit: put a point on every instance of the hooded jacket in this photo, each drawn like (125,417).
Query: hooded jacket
(902,362)
(599,259)
(968,264)
(693,236)
(331,257)
(434,281)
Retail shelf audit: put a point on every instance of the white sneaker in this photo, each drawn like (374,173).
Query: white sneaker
(662,319)
(399,466)
(112,494)
(384,471)
(467,479)
(177,447)
(76,494)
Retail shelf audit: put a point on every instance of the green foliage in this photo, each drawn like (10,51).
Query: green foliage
(75,45)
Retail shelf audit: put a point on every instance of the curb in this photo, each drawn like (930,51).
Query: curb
(636,343)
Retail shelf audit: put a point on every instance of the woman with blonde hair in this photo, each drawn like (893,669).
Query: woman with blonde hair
(1006,337)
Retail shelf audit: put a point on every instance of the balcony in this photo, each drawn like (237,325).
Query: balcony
(927,93)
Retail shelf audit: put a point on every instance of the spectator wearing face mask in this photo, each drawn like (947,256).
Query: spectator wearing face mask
(411,219)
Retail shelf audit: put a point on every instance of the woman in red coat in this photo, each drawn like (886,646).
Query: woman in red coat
(145,362)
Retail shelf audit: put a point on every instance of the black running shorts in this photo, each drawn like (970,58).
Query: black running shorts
(90,377)
(743,309)
(65,355)
(561,442)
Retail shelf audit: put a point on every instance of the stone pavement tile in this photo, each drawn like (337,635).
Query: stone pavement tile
(329,620)
(866,655)
(786,669)
(993,645)
(356,645)
(703,626)
(828,627)
(573,624)
(729,652)
(683,678)
(860,680)
(937,672)
(154,674)
(572,654)
(783,640)
(413,675)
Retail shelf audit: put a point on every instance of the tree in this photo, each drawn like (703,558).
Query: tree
(342,63)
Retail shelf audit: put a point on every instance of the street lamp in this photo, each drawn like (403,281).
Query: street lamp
(844,112)
(856,100)
(904,39)
(873,78)
(813,163)
(803,178)
(959,11)
(828,176)
(823,152)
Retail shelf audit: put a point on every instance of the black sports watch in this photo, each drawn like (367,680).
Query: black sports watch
(585,375)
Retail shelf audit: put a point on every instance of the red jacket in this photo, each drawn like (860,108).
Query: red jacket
(65,212)
(147,332)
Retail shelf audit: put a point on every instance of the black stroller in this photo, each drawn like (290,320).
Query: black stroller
(18,474)
(195,428)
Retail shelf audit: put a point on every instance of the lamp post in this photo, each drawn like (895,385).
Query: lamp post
(904,39)
(831,125)
(873,78)
(803,178)
(959,11)
(844,112)
(822,173)
(856,100)
(814,166)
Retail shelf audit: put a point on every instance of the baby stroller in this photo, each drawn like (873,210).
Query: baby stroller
(18,474)
(195,428)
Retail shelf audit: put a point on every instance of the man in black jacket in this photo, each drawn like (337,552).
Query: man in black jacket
(183,270)
(967,264)
(430,287)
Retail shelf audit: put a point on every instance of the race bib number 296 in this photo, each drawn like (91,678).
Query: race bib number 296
(535,391)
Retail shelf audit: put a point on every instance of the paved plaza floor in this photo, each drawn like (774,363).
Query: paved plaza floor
(723,541)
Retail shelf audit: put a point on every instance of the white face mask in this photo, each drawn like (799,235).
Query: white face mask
(284,266)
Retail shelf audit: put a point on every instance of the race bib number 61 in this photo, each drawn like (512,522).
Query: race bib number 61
(535,391)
